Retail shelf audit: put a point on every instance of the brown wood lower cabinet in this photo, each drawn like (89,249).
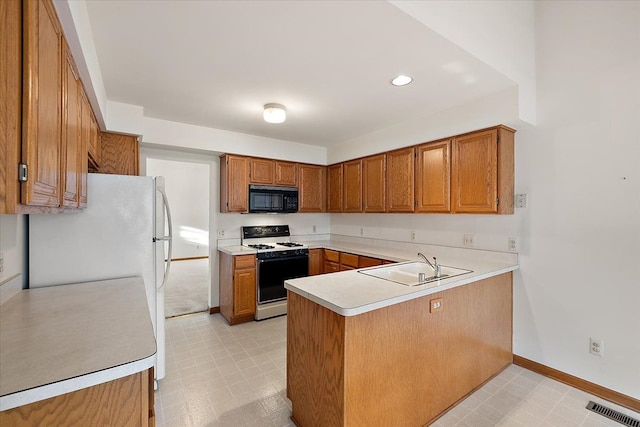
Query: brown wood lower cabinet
(415,366)
(315,262)
(237,276)
(125,402)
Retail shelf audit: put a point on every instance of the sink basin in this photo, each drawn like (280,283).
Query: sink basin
(406,273)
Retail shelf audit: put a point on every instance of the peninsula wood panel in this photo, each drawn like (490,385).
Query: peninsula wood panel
(262,171)
(400,180)
(286,173)
(234,183)
(120,153)
(415,366)
(123,402)
(10,103)
(311,189)
(315,365)
(433,177)
(42,104)
(334,188)
(352,175)
(373,183)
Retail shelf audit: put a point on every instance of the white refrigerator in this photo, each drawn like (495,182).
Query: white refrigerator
(124,231)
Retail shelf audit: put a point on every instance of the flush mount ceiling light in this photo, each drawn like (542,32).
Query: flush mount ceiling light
(402,80)
(274,113)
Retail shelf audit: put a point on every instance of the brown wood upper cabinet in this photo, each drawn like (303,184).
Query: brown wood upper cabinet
(433,177)
(373,183)
(234,183)
(94,148)
(42,100)
(482,171)
(72,141)
(334,188)
(262,171)
(120,153)
(286,173)
(400,180)
(311,188)
(352,173)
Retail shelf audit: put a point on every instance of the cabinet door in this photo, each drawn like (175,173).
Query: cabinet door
(234,184)
(262,171)
(286,173)
(374,173)
(331,267)
(311,188)
(315,262)
(334,188)
(433,177)
(349,261)
(71,142)
(474,172)
(368,262)
(120,153)
(244,292)
(42,100)
(400,180)
(352,186)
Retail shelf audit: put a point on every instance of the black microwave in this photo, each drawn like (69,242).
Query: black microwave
(272,199)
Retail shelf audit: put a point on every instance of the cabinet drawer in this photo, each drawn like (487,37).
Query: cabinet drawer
(369,262)
(346,267)
(350,260)
(330,255)
(244,261)
(331,267)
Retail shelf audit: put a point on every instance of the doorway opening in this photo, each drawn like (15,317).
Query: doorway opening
(187,188)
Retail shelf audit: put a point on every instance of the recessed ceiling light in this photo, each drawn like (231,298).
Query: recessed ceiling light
(274,113)
(402,80)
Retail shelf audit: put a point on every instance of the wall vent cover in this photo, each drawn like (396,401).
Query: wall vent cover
(614,415)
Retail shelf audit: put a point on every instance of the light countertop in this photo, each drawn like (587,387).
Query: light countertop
(350,293)
(55,340)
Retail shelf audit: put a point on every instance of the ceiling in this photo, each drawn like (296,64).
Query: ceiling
(216,63)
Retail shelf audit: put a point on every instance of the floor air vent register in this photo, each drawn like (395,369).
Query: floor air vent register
(614,415)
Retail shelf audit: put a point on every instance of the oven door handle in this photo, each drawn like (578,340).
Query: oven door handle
(260,261)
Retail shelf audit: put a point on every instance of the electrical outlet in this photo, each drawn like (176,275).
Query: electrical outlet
(596,347)
(469,240)
(435,305)
(220,233)
(521,201)
(362,231)
(313,228)
(513,244)
(413,236)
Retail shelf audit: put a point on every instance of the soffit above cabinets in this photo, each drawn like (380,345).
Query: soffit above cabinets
(216,63)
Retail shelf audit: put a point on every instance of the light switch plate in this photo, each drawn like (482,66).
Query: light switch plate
(521,201)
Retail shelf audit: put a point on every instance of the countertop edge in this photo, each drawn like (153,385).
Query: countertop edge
(347,312)
(47,391)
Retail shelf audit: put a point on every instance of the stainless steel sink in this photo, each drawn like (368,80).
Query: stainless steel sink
(408,273)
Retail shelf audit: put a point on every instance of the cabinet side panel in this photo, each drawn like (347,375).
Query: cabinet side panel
(417,364)
(119,153)
(10,103)
(226,285)
(115,403)
(315,363)
(506,173)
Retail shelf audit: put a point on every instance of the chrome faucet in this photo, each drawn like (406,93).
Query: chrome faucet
(435,265)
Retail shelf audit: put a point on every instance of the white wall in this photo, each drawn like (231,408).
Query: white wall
(580,236)
(500,33)
(12,238)
(187,188)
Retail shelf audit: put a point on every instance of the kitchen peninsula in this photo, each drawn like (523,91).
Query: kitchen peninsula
(367,351)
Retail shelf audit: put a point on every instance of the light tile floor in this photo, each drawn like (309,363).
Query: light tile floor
(232,376)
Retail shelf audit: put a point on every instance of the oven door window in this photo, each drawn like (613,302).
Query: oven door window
(266,202)
(273,272)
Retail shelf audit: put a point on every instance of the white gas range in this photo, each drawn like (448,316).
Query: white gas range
(277,259)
